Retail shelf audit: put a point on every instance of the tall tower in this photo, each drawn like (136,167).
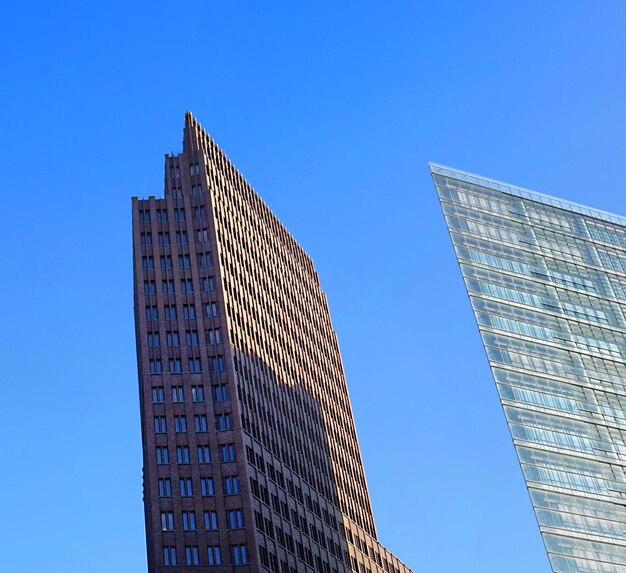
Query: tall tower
(547,282)
(251,458)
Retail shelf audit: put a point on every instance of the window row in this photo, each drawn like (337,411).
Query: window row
(207,488)
(234,520)
(167,287)
(182,238)
(222,422)
(189,311)
(219,393)
(179,213)
(212,335)
(238,555)
(227,454)
(194,365)
(184,262)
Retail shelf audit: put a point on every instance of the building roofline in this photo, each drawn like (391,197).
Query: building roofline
(437,169)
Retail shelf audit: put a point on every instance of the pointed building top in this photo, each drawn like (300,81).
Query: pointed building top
(436,169)
(190,132)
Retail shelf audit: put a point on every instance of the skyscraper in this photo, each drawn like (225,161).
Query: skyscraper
(547,282)
(251,458)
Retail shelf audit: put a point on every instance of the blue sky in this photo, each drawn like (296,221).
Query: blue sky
(332,111)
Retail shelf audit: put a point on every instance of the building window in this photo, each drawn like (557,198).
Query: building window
(144,216)
(164,238)
(189,521)
(153,340)
(208,284)
(172,339)
(179,214)
(223,422)
(146,239)
(147,263)
(210,310)
(166,262)
(265,561)
(204,455)
(231,485)
(206,485)
(175,366)
(199,212)
(214,336)
(158,395)
(161,216)
(200,423)
(205,260)
(160,425)
(181,238)
(217,364)
(182,454)
(165,487)
(169,556)
(167,287)
(191,554)
(186,487)
(202,235)
(192,337)
(180,424)
(186,286)
(167,521)
(215,556)
(227,453)
(156,367)
(194,365)
(184,262)
(197,393)
(189,311)
(220,392)
(170,313)
(235,518)
(178,394)
(149,288)
(239,554)
(162,455)
(210,520)
(152,313)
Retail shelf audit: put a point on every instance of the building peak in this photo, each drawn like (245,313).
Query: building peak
(190,132)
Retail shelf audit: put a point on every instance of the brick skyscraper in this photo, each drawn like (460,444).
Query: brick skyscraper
(251,459)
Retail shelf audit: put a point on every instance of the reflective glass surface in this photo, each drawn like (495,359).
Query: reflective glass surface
(547,283)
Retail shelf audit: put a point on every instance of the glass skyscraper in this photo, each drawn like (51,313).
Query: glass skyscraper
(547,283)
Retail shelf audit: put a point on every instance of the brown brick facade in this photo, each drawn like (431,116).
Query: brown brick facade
(238,362)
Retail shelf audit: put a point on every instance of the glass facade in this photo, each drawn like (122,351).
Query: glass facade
(547,283)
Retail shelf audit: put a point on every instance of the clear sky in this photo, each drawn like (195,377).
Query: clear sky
(332,111)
